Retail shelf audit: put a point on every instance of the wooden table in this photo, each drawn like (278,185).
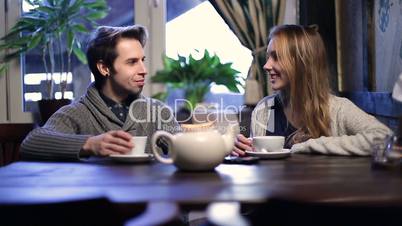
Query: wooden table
(312,178)
(305,185)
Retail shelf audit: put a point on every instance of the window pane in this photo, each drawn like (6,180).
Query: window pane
(191,32)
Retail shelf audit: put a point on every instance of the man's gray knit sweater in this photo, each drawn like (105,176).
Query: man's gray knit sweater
(64,134)
(352,130)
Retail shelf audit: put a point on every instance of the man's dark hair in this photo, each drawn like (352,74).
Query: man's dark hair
(102,46)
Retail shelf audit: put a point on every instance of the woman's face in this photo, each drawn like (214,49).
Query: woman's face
(277,77)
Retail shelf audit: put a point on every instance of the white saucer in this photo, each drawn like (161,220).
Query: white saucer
(131,158)
(271,155)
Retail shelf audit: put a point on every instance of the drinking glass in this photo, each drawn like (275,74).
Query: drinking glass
(388,151)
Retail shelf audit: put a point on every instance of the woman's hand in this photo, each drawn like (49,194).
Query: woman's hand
(105,144)
(242,144)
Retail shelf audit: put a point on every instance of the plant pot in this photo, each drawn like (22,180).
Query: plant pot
(48,107)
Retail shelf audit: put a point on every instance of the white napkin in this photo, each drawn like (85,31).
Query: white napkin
(397,92)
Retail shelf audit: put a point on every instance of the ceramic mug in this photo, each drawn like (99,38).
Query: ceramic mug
(268,143)
(140,143)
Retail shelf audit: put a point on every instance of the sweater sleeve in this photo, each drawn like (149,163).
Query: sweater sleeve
(356,131)
(58,139)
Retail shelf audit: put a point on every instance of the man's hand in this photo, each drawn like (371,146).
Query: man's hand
(105,144)
(242,144)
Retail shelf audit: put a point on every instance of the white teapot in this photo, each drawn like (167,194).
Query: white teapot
(196,151)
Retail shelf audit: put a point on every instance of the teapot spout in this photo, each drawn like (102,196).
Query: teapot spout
(229,137)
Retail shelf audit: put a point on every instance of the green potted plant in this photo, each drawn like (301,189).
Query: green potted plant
(53,27)
(196,76)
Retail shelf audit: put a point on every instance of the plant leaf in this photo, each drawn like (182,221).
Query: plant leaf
(34,41)
(76,6)
(3,68)
(80,28)
(15,54)
(96,5)
(46,9)
(96,15)
(70,41)
(196,76)
(80,54)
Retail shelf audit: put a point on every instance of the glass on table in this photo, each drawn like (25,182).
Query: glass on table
(388,151)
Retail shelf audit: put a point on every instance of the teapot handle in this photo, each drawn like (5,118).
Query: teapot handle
(156,149)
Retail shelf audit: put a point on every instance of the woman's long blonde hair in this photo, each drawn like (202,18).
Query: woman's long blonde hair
(302,56)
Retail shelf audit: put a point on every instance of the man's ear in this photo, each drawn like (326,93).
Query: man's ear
(103,68)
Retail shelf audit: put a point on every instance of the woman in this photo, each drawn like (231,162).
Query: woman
(303,108)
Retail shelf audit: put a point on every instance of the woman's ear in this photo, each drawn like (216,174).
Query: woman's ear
(103,68)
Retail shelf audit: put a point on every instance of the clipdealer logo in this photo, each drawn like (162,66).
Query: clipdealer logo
(146,110)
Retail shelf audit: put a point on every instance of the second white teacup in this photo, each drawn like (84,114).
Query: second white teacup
(268,143)
(140,143)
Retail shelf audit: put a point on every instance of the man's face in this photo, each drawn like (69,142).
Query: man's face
(129,68)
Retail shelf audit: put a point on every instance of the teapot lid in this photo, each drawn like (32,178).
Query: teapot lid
(199,127)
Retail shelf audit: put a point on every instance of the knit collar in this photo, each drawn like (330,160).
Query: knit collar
(104,115)
(110,103)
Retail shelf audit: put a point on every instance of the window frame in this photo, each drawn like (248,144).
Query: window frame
(12,99)
(153,16)
(3,77)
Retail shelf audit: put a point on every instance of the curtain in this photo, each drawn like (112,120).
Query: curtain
(250,21)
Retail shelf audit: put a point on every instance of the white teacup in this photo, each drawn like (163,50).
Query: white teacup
(140,143)
(268,143)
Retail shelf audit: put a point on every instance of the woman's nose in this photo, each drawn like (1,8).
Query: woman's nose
(268,65)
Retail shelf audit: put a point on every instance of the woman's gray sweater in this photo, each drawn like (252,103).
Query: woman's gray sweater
(352,130)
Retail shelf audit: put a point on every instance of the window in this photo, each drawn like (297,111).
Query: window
(210,33)
(187,34)
(20,87)
(80,76)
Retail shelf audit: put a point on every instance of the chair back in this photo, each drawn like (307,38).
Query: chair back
(11,136)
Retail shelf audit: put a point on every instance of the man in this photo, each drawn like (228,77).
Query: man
(103,121)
